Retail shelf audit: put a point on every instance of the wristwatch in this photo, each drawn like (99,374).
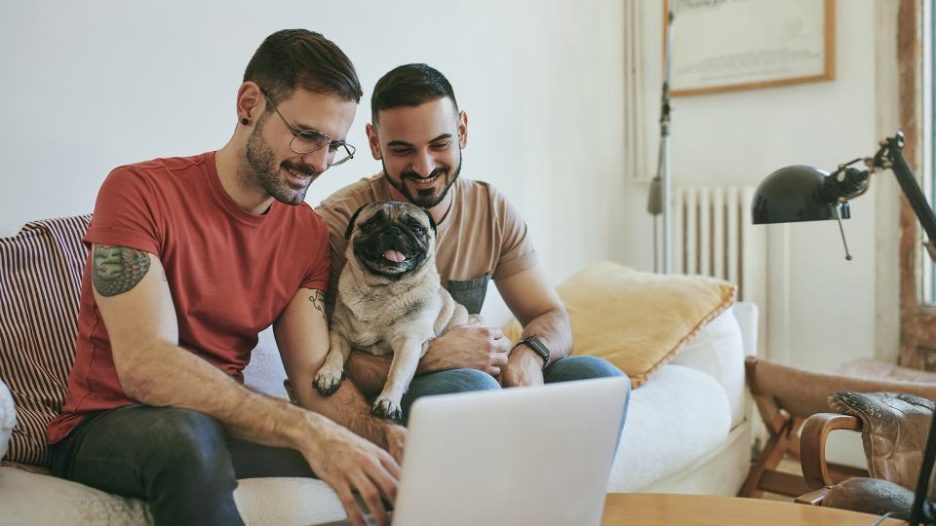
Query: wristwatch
(538,347)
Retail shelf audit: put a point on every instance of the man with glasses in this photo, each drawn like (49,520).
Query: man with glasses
(190,259)
(418,133)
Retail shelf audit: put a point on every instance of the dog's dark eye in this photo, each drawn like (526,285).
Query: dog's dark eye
(416,227)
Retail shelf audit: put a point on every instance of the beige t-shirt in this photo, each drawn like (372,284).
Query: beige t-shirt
(481,237)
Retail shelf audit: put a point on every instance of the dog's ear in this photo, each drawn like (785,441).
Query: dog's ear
(432,222)
(347,234)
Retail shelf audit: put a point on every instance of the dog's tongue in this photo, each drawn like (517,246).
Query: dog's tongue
(394,256)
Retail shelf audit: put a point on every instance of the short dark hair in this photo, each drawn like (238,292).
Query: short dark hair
(410,85)
(299,58)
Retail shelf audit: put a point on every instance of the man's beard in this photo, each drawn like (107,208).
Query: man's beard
(261,160)
(425,198)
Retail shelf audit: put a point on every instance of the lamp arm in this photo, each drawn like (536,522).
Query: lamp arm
(891,156)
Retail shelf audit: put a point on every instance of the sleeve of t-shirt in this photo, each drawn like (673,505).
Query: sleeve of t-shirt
(127,213)
(517,252)
(317,276)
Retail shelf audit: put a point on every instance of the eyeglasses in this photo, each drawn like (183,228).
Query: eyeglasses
(308,141)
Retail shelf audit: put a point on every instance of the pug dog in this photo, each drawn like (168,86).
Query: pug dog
(389,299)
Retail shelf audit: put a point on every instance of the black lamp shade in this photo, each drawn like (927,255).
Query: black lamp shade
(792,194)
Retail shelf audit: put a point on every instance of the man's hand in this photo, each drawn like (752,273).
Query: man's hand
(396,441)
(467,346)
(524,367)
(351,464)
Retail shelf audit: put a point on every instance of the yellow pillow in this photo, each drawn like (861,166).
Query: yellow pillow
(637,320)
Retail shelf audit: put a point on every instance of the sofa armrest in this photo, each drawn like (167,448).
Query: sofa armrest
(813,437)
(718,351)
(747,315)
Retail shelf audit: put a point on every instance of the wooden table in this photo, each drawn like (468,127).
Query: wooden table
(671,509)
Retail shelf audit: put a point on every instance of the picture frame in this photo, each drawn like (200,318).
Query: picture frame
(758,44)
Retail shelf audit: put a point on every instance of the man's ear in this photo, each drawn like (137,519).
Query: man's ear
(350,229)
(250,102)
(372,141)
(462,129)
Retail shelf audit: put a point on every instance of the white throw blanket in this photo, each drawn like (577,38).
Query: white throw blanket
(7,418)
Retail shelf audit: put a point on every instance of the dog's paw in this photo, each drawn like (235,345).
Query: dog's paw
(386,408)
(326,381)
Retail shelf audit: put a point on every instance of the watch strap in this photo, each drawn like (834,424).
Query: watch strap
(538,347)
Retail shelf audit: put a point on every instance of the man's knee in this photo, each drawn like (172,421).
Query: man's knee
(580,368)
(192,478)
(193,443)
(447,382)
(453,381)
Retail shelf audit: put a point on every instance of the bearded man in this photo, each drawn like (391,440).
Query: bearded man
(418,134)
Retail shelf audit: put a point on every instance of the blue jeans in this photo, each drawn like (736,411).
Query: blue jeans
(464,380)
(178,460)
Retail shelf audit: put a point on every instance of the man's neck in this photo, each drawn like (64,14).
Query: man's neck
(234,178)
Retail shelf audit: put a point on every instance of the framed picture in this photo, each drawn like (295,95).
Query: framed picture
(727,45)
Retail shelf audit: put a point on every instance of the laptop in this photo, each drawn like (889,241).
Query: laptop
(533,455)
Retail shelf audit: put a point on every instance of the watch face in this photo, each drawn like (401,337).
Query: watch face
(538,347)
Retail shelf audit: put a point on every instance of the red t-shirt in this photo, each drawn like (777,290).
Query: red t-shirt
(230,273)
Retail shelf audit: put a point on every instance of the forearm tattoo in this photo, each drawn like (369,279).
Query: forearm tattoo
(118,269)
(318,300)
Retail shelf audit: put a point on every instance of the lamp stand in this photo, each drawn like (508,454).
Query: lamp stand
(660,199)
(890,156)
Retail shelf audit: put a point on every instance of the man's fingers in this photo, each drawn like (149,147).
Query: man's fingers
(371,497)
(385,474)
(391,465)
(499,359)
(355,515)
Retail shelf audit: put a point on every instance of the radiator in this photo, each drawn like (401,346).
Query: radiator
(713,236)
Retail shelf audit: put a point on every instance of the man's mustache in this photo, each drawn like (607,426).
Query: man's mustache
(301,168)
(417,177)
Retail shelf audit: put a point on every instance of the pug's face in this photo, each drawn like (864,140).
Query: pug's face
(391,239)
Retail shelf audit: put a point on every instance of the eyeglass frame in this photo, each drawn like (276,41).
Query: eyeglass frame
(298,134)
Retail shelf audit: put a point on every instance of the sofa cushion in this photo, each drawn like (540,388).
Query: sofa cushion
(40,280)
(717,350)
(29,498)
(637,320)
(676,418)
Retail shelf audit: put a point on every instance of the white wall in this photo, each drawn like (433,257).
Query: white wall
(90,85)
(93,84)
(820,309)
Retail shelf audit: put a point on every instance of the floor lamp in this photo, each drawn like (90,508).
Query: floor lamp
(660,200)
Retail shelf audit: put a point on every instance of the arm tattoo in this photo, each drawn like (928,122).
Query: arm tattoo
(118,269)
(318,300)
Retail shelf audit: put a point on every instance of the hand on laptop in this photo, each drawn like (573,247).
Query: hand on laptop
(524,367)
(351,464)
(469,346)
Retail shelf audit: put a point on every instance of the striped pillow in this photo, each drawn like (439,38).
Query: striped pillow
(40,280)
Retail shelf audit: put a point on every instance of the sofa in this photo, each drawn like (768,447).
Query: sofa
(688,428)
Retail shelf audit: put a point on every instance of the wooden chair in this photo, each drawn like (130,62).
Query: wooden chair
(894,427)
(785,397)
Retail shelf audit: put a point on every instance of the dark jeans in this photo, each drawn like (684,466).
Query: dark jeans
(178,460)
(464,380)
